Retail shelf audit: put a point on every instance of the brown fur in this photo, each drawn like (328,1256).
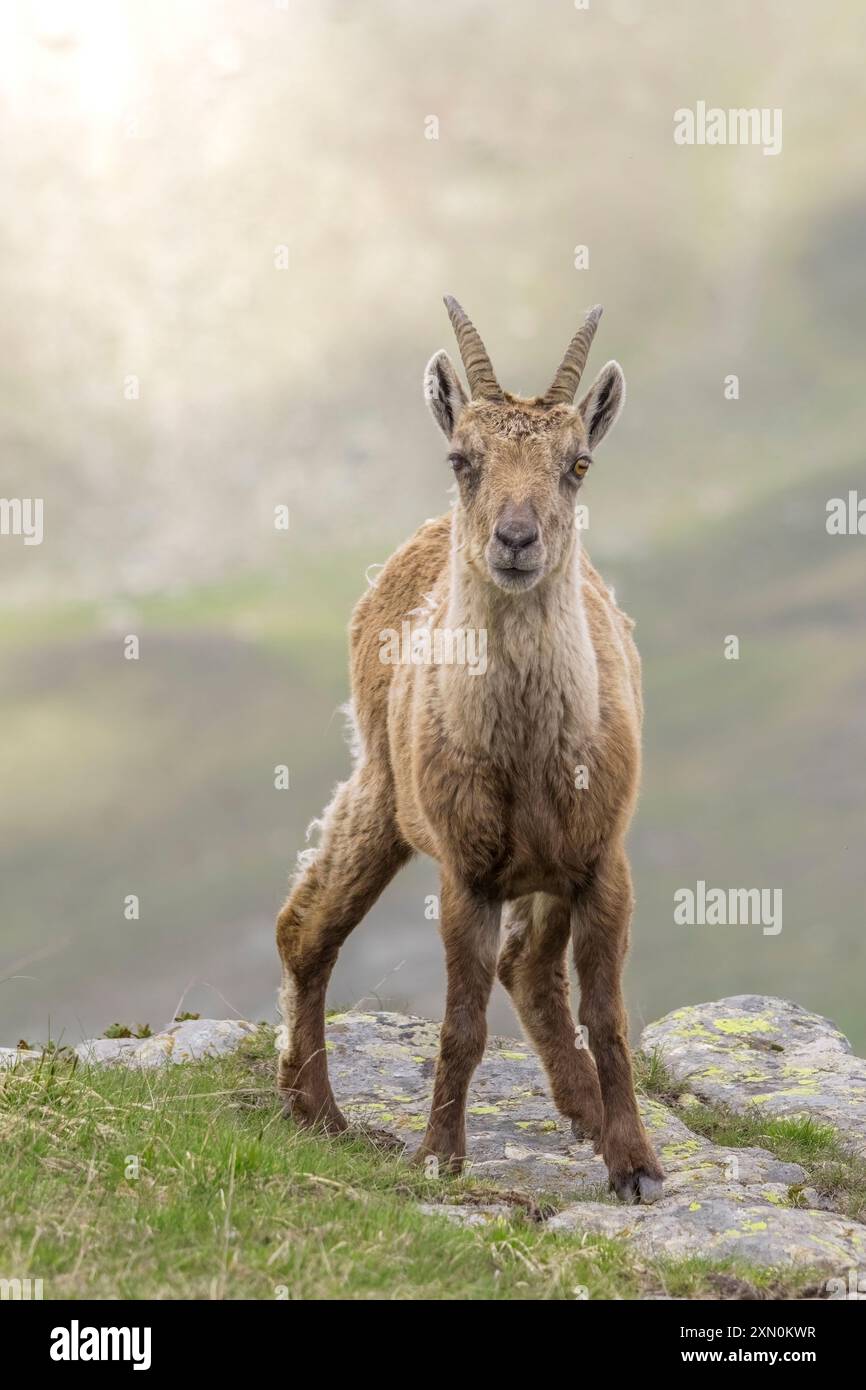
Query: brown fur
(479,771)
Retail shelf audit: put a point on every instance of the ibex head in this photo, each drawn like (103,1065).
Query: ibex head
(519,462)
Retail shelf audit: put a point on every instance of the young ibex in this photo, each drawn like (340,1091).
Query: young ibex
(520,780)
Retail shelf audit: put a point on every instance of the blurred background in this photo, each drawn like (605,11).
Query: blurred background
(225,237)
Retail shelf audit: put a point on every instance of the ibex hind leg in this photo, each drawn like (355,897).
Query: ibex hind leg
(359,853)
(533,967)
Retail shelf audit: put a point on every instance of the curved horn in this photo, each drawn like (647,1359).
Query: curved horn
(570,369)
(479,370)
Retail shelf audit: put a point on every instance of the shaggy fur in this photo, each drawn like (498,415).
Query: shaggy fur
(520,781)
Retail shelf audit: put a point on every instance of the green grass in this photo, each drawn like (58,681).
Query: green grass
(830,1165)
(187,1183)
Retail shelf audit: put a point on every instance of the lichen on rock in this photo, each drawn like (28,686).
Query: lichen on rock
(754,1051)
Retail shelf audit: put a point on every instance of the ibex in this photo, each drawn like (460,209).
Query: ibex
(520,781)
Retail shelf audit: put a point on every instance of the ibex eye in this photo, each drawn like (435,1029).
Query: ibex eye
(580,465)
(458,462)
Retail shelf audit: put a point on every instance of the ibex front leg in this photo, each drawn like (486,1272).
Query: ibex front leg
(600,925)
(470,932)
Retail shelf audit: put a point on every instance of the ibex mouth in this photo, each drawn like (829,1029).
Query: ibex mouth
(513,578)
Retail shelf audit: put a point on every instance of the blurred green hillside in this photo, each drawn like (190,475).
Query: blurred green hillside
(156,778)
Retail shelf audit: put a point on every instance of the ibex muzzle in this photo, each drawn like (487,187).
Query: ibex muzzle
(515,552)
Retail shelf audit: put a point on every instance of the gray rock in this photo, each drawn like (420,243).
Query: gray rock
(182,1042)
(753,1052)
(485,1214)
(720,1228)
(382,1074)
(717,1201)
(11,1056)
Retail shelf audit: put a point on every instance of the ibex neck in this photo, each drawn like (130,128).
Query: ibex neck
(539,684)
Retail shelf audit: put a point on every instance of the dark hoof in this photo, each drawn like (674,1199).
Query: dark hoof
(639,1186)
(437,1165)
(325,1119)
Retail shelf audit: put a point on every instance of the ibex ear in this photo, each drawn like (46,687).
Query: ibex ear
(603,402)
(443,392)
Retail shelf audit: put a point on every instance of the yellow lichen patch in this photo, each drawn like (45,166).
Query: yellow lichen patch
(745,1025)
(515,1056)
(700,1173)
(754,1225)
(683,1148)
(484,1110)
(694,1206)
(806,1088)
(692,1030)
(655,1115)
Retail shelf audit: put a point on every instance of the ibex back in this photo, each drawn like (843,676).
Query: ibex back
(518,775)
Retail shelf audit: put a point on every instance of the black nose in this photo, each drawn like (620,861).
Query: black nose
(517,529)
